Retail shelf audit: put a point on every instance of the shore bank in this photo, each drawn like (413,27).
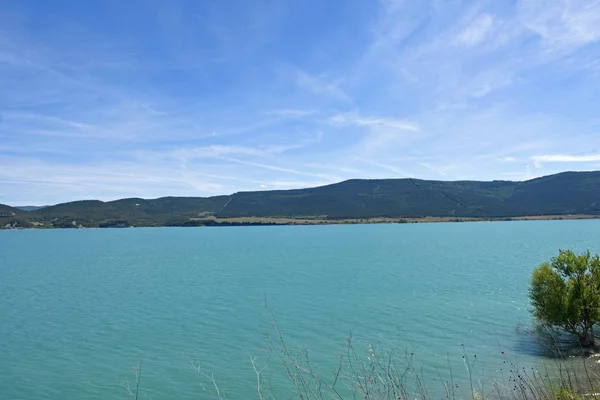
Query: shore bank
(397,220)
(278,221)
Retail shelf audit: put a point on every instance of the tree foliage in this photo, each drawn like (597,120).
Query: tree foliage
(565,293)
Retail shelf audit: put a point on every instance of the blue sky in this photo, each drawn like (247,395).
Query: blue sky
(149,98)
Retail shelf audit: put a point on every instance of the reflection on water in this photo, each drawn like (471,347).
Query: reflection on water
(561,362)
(540,341)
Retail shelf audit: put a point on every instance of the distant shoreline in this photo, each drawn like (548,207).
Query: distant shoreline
(280,221)
(567,195)
(241,221)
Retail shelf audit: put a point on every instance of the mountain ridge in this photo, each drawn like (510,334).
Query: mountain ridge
(564,193)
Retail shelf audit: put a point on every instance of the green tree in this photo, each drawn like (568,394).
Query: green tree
(565,294)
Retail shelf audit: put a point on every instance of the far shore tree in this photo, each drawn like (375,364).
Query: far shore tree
(565,294)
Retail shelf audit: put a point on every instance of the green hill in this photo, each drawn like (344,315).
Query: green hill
(9,211)
(560,194)
(374,198)
(11,217)
(29,208)
(132,211)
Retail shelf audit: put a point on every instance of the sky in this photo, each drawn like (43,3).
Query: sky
(149,98)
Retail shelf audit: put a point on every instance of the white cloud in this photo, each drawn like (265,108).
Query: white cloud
(214,151)
(380,135)
(278,168)
(486,83)
(320,85)
(564,158)
(357,120)
(401,173)
(289,112)
(524,175)
(282,148)
(293,184)
(476,32)
(562,24)
(433,168)
(44,119)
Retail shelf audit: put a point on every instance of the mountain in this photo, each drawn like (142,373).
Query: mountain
(8,210)
(30,208)
(11,217)
(132,211)
(561,194)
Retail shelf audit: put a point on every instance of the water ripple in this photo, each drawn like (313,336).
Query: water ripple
(81,308)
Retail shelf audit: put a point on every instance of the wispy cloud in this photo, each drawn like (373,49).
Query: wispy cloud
(352,119)
(400,173)
(244,99)
(434,168)
(287,112)
(277,168)
(320,85)
(477,31)
(562,24)
(539,160)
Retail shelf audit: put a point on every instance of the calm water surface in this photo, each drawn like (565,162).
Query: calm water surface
(80,308)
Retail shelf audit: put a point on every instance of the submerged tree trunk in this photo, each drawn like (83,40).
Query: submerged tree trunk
(586,338)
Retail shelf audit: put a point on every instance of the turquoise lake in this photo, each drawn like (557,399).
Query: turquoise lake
(80,308)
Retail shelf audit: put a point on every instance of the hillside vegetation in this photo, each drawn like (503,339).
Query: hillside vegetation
(561,194)
(8,210)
